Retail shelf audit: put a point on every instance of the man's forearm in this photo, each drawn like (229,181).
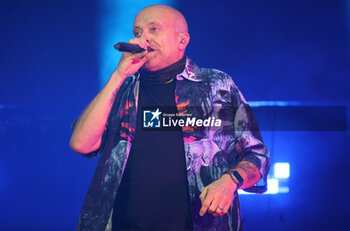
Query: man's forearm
(249,172)
(87,133)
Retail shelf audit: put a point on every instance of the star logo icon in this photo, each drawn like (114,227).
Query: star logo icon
(151,118)
(156,114)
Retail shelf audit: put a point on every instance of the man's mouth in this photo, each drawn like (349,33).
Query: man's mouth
(152,47)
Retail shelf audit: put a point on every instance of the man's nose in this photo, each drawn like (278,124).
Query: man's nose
(145,37)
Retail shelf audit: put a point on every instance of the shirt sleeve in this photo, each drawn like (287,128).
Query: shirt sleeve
(248,141)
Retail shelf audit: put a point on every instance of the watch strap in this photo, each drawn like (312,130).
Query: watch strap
(236,177)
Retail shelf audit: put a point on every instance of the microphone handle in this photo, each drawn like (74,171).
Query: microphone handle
(128,47)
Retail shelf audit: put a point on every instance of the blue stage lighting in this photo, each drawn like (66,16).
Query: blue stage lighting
(281,170)
(272,186)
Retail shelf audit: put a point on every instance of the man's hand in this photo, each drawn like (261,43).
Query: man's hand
(217,197)
(130,63)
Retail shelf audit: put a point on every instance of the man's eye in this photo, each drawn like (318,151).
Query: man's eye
(137,34)
(154,29)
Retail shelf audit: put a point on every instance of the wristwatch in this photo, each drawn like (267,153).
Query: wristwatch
(236,177)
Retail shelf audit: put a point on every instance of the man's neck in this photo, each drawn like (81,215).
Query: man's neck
(163,75)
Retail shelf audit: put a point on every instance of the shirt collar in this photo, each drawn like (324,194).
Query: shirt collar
(191,71)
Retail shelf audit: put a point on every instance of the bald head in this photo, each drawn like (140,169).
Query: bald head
(164,29)
(173,15)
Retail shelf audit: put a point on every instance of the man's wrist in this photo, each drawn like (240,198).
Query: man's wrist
(236,177)
(116,76)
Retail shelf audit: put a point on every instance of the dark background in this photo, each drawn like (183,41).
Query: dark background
(274,50)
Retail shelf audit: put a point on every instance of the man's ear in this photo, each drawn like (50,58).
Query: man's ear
(184,39)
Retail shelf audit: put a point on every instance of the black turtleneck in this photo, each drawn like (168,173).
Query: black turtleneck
(164,75)
(153,193)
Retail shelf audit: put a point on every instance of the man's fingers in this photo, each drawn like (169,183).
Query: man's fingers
(149,55)
(228,204)
(223,207)
(138,58)
(206,202)
(139,55)
(142,57)
(204,208)
(202,197)
(140,42)
(203,194)
(214,204)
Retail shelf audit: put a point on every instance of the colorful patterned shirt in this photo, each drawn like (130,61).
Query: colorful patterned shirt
(209,152)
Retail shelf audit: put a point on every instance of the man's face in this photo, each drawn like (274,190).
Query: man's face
(157,26)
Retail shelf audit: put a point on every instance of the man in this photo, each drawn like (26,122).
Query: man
(184,179)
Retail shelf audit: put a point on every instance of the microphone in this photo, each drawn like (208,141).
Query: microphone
(128,47)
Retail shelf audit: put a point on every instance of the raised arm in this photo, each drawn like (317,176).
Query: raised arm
(89,128)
